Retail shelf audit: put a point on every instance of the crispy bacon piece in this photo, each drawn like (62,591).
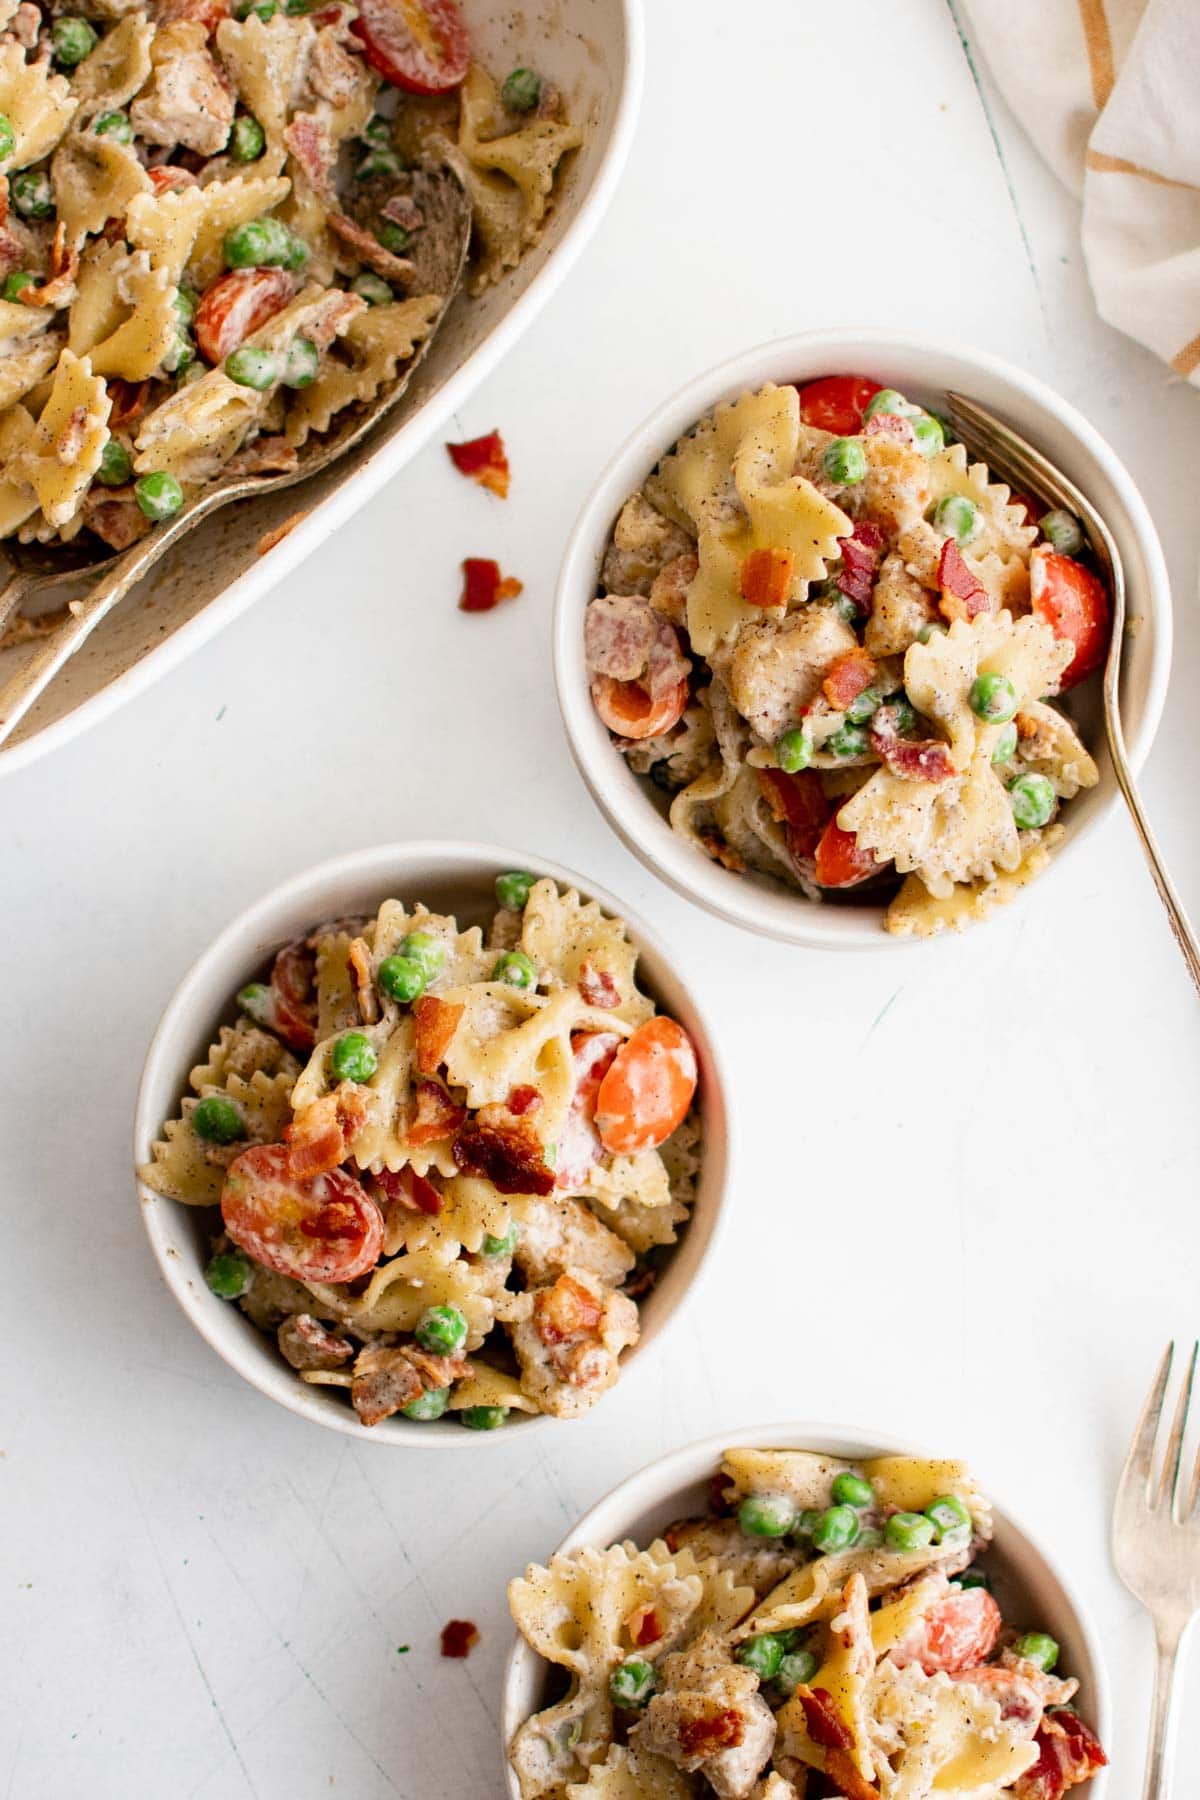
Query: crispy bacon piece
(368,249)
(598,987)
(485,460)
(169,178)
(1069,1753)
(861,552)
(918,759)
(714,846)
(208,13)
(308,139)
(710,1729)
(25,24)
(719,1503)
(269,539)
(849,675)
(305,1343)
(128,401)
(115,516)
(405,1188)
(459,1637)
(890,425)
(505,1151)
(963,594)
(403,210)
(435,1022)
(645,1627)
(766,577)
(319,1137)
(483,586)
(69,441)
(841,1772)
(566,1310)
(825,1723)
(523,1099)
(11,254)
(64,266)
(798,803)
(359,958)
(265,456)
(435,1114)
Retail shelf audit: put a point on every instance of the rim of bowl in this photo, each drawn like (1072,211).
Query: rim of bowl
(380,866)
(655,1482)
(782,915)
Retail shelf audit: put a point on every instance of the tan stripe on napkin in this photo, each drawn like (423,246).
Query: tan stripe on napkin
(1103,164)
(1186,361)
(1099,50)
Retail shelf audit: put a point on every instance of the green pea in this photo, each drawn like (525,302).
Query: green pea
(301,363)
(180,356)
(483,1418)
(795,1670)
(229,1275)
(393,237)
(192,371)
(852,1490)
(73,39)
(501,1246)
(903,714)
(844,606)
(1006,745)
(844,461)
(15,284)
(185,305)
(1037,1647)
(218,1120)
(296,9)
(32,194)
(889,400)
(515,968)
(247,140)
(261,9)
(959,518)
(258,1001)
(1033,800)
(792,1639)
(1063,532)
(836,1529)
(949,1515)
(513,889)
(426,950)
(116,466)
(994,698)
(353,1057)
(429,1405)
(632,1684)
(252,368)
(974,1578)
(793,751)
(863,706)
(378,131)
(442,1330)
(115,125)
(522,90)
(869,1538)
(848,740)
(806,1523)
(379,162)
(8,137)
(401,979)
(298,254)
(767,1515)
(372,288)
(159,495)
(262,243)
(928,631)
(909,1531)
(929,434)
(763,1654)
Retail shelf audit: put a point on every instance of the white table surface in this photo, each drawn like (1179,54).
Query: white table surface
(966,1206)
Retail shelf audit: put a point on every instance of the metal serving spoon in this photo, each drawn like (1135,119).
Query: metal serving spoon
(439,256)
(1016,460)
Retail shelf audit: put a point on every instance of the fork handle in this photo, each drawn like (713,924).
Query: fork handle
(1181,926)
(1169,1636)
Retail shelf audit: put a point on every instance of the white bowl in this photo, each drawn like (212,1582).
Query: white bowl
(924,370)
(1032,1587)
(593,51)
(451,877)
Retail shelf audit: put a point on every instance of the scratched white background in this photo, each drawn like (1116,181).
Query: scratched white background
(966,1209)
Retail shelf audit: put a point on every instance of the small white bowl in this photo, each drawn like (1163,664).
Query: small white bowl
(1032,1586)
(455,878)
(924,370)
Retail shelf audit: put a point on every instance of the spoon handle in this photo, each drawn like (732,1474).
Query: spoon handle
(12,594)
(23,688)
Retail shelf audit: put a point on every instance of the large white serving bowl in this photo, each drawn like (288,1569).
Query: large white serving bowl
(924,370)
(448,877)
(593,51)
(1031,1585)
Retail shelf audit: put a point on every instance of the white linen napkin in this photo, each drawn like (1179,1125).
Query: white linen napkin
(1109,91)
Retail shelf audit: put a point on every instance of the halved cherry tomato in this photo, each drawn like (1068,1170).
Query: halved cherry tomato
(325,1229)
(798,803)
(1074,603)
(1018,1699)
(579,1146)
(646,1093)
(628,709)
(955,1634)
(236,305)
(835,403)
(422,46)
(1033,509)
(840,862)
(293,999)
(1069,1753)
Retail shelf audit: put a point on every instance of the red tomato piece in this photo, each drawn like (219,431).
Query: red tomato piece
(956,1634)
(631,712)
(836,402)
(646,1093)
(236,305)
(325,1229)
(1074,603)
(766,577)
(484,460)
(579,1147)
(1033,509)
(1018,1699)
(422,46)
(840,862)
(483,586)
(293,1009)
(128,401)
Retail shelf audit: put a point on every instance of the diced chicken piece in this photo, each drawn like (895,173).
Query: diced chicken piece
(669,593)
(1049,745)
(618,633)
(775,668)
(25,24)
(643,543)
(306,1344)
(760,1563)
(388,1378)
(569,1342)
(920,547)
(896,489)
(188,101)
(333,75)
(900,607)
(709,1718)
(556,1235)
(265,456)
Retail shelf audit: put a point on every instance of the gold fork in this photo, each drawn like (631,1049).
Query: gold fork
(1016,461)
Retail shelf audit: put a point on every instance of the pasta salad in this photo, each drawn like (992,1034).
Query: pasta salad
(827,1629)
(455,1202)
(836,644)
(218,227)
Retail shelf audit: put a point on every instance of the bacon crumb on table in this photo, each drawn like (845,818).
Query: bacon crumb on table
(485,460)
(269,539)
(459,1637)
(484,587)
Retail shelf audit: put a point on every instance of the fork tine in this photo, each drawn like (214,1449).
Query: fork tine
(1173,1460)
(1139,1465)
